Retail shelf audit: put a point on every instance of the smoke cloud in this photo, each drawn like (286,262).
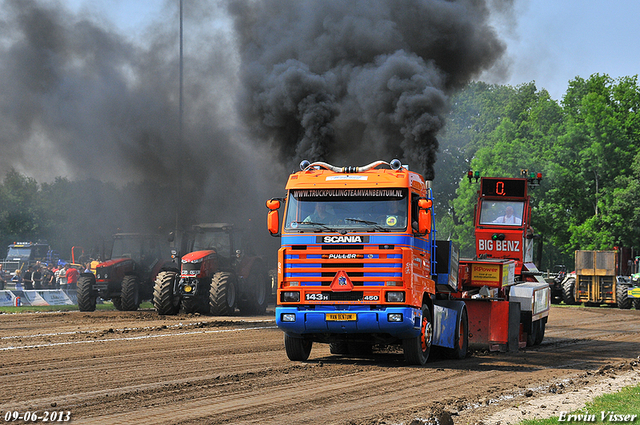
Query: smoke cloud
(81,100)
(356,80)
(266,84)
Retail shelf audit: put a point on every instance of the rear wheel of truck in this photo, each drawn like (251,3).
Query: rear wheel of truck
(534,334)
(130,293)
(569,291)
(359,348)
(416,350)
(222,296)
(636,304)
(540,337)
(86,296)
(297,349)
(622,297)
(339,348)
(459,351)
(259,286)
(164,301)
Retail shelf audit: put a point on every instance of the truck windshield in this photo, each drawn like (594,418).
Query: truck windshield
(507,213)
(347,210)
(18,253)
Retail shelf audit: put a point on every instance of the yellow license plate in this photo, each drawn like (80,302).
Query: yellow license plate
(340,317)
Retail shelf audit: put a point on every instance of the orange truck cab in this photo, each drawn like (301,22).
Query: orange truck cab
(359,265)
(357,262)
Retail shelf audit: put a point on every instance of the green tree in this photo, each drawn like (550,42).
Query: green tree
(21,216)
(594,157)
(527,125)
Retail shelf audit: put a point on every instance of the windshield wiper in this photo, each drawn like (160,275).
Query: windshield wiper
(324,226)
(370,223)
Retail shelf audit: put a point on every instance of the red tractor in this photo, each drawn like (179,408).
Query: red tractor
(217,274)
(127,278)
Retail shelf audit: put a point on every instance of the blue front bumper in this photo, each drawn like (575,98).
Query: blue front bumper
(312,320)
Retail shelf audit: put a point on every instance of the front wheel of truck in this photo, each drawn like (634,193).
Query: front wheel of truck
(297,349)
(416,350)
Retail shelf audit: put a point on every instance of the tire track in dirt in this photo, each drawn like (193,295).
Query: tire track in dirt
(136,372)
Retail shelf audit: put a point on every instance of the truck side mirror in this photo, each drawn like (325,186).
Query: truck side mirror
(273,221)
(424,216)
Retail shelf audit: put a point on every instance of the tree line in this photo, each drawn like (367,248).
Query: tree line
(586,145)
(84,213)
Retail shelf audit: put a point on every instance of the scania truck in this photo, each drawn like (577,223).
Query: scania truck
(360,265)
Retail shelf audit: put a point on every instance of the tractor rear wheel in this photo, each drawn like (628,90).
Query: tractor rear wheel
(636,303)
(416,350)
(222,296)
(622,297)
(130,293)
(259,287)
(86,295)
(164,301)
(297,349)
(569,291)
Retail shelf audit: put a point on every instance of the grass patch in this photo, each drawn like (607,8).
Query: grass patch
(624,404)
(106,306)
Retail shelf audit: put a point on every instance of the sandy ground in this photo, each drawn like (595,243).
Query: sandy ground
(141,368)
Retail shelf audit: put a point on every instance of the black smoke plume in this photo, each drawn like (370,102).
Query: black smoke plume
(345,81)
(357,80)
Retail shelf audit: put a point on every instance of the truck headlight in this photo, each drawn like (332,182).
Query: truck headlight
(290,297)
(394,317)
(395,297)
(288,317)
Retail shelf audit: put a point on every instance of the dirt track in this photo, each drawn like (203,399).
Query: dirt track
(141,368)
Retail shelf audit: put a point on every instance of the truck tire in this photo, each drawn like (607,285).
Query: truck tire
(462,338)
(416,350)
(259,289)
(86,295)
(164,301)
(543,326)
(222,296)
(297,349)
(339,348)
(622,297)
(534,334)
(636,304)
(569,291)
(130,293)
(359,348)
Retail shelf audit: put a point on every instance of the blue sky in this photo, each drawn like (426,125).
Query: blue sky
(549,41)
(555,41)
